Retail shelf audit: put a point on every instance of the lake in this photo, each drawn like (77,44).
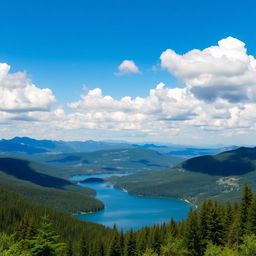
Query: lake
(128,211)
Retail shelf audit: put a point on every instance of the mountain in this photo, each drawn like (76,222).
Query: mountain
(149,146)
(13,146)
(116,160)
(234,162)
(33,180)
(218,177)
(28,146)
(33,146)
(193,152)
(183,151)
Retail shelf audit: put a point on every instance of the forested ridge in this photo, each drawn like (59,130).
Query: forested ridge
(213,229)
(218,177)
(29,179)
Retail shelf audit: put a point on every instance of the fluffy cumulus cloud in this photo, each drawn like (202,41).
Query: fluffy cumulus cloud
(19,97)
(217,101)
(218,96)
(127,67)
(161,104)
(224,71)
(163,110)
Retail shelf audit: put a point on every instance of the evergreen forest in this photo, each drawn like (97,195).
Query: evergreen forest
(214,229)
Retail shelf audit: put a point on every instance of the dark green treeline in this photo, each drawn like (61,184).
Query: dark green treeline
(212,230)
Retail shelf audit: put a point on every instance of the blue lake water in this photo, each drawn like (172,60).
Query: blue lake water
(128,211)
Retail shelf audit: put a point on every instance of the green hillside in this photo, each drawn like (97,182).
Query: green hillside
(118,160)
(217,177)
(29,179)
(16,209)
(234,162)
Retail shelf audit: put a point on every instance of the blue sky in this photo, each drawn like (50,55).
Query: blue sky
(67,45)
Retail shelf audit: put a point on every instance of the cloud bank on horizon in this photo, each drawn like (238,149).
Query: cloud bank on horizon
(218,98)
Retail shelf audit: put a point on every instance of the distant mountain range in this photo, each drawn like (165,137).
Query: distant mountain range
(108,161)
(33,146)
(25,145)
(218,177)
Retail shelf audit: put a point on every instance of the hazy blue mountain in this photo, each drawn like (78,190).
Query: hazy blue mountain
(33,146)
(192,152)
(115,160)
(12,146)
(184,151)
(25,145)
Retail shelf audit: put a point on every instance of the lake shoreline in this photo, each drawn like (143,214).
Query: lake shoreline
(156,197)
(129,211)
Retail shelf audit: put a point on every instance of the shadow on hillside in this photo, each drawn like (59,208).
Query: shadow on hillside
(210,165)
(20,169)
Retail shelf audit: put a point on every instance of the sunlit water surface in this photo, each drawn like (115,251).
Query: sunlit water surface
(128,211)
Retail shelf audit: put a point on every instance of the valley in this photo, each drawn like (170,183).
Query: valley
(152,173)
(121,193)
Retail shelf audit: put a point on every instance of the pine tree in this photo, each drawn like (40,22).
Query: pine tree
(130,244)
(69,249)
(234,232)
(31,231)
(213,250)
(246,202)
(172,228)
(192,234)
(83,247)
(156,245)
(248,247)
(21,232)
(150,252)
(203,223)
(5,242)
(174,247)
(251,223)
(115,246)
(229,215)
(97,248)
(46,242)
(142,240)
(216,228)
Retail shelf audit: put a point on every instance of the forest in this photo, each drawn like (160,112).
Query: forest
(30,229)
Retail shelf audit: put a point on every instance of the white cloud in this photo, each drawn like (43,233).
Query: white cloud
(19,94)
(225,71)
(216,103)
(164,110)
(161,104)
(127,67)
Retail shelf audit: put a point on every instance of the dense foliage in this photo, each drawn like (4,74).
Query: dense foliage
(20,216)
(212,230)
